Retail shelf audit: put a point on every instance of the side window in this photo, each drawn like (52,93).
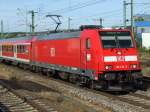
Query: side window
(7,48)
(21,46)
(26,50)
(18,48)
(12,48)
(22,49)
(88,43)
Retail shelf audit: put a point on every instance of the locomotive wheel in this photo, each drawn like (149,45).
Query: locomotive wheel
(43,71)
(20,65)
(50,73)
(8,62)
(33,69)
(82,81)
(139,84)
(63,75)
(72,78)
(25,67)
(104,85)
(92,84)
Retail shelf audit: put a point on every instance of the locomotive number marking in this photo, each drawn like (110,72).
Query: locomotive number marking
(120,58)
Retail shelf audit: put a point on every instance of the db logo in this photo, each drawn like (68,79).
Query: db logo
(120,58)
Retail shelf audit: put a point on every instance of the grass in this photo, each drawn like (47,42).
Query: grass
(14,78)
(10,74)
(146,71)
(144,53)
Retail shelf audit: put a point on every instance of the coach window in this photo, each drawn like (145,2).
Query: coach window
(12,48)
(21,47)
(88,43)
(7,48)
(2,48)
(18,48)
(26,50)
(21,51)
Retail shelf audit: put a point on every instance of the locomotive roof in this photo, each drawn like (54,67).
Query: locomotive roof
(61,35)
(53,36)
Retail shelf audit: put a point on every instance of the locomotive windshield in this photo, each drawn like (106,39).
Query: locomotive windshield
(116,39)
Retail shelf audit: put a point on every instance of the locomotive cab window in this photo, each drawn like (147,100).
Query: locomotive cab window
(125,41)
(116,39)
(108,41)
(88,43)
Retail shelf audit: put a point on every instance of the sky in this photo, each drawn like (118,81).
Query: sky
(16,17)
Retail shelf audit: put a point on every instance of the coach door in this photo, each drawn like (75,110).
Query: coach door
(15,51)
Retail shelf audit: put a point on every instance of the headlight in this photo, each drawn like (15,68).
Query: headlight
(133,66)
(108,67)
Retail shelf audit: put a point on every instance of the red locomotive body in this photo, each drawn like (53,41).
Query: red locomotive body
(98,57)
(92,54)
(64,52)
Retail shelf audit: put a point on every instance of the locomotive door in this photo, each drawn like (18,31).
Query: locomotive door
(86,53)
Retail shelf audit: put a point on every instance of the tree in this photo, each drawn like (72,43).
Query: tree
(139,19)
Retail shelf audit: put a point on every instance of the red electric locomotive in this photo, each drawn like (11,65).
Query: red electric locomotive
(99,58)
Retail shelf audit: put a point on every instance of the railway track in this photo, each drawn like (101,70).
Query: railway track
(136,100)
(133,99)
(145,62)
(146,79)
(11,101)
